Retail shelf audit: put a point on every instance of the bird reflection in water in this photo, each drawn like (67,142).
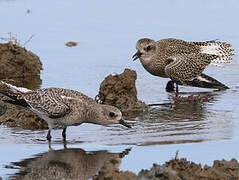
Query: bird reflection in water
(184,122)
(72,163)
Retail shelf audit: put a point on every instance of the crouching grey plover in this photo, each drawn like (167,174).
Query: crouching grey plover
(63,107)
(183,62)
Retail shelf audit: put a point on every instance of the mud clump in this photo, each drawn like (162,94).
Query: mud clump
(20,68)
(18,117)
(16,62)
(183,169)
(119,90)
(71,44)
(158,172)
(116,175)
(112,172)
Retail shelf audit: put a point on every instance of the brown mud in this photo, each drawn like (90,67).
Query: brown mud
(103,165)
(71,44)
(179,169)
(20,68)
(19,65)
(120,90)
(183,169)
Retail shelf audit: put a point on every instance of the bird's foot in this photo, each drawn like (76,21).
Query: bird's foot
(170,86)
(48,137)
(64,134)
(192,98)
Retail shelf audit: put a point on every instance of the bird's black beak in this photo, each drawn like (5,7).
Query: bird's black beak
(124,123)
(136,55)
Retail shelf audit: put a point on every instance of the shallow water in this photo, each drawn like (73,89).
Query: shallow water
(201,132)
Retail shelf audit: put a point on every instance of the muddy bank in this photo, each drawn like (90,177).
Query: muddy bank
(183,169)
(16,116)
(179,169)
(19,67)
(120,90)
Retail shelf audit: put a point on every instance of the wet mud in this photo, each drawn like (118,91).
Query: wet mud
(19,67)
(18,64)
(71,44)
(16,116)
(182,169)
(120,90)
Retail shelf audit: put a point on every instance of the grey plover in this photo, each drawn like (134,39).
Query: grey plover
(183,62)
(63,107)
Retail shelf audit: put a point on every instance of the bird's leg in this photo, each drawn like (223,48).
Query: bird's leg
(65,144)
(176,90)
(64,133)
(170,86)
(48,137)
(49,145)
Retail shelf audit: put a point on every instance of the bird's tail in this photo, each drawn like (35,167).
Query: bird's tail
(15,89)
(14,94)
(222,49)
(205,81)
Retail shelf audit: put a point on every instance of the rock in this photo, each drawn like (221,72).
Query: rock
(119,90)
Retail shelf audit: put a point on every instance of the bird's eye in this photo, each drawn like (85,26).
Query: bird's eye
(148,48)
(111,114)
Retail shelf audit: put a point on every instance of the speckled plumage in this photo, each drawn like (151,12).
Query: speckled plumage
(63,107)
(183,62)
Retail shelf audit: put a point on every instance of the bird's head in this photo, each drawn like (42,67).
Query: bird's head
(146,48)
(106,115)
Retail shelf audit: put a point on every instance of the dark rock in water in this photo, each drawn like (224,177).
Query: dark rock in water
(119,90)
(21,68)
(158,172)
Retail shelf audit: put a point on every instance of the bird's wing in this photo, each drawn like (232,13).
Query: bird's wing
(187,67)
(46,103)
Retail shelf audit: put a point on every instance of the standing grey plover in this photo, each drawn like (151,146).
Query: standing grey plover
(183,62)
(63,107)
